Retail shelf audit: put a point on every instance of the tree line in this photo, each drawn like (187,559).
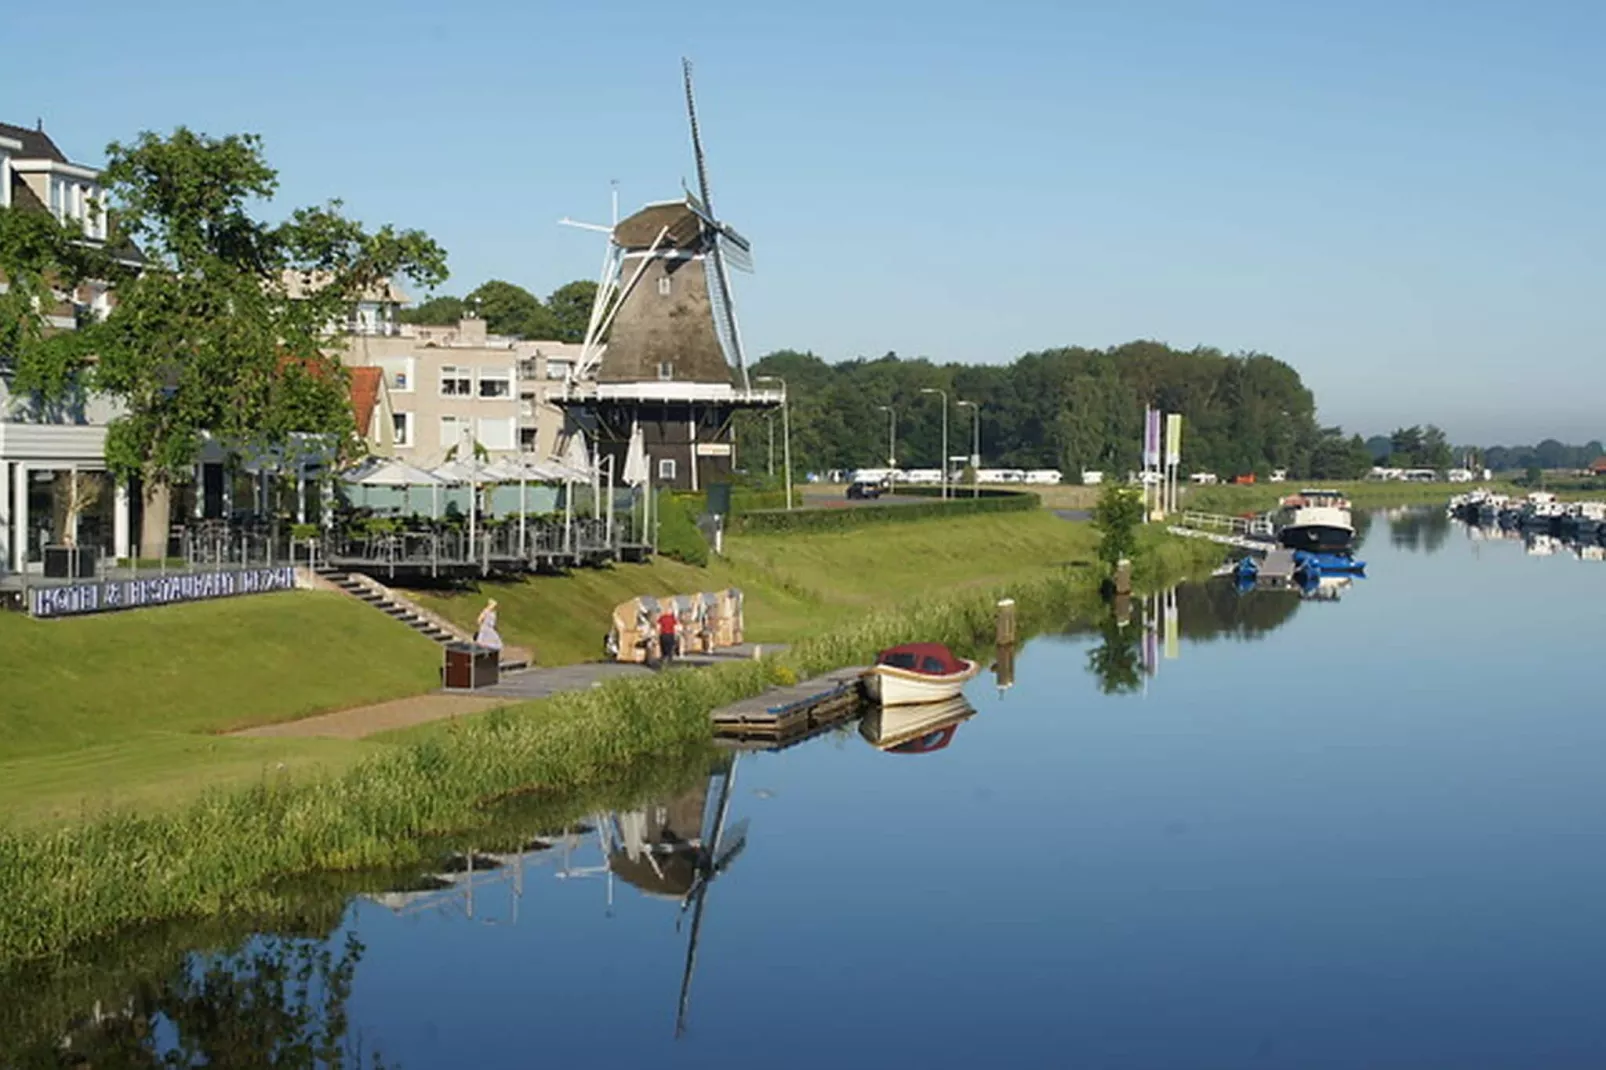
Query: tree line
(1070,408)
(510,309)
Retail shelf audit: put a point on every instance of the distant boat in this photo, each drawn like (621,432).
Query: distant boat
(1317,520)
(916,729)
(917,672)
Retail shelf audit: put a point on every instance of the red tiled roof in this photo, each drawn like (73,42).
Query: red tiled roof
(365,397)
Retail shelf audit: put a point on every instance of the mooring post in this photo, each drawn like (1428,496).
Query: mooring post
(1005,634)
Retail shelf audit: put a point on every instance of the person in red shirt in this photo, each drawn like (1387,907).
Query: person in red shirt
(666,635)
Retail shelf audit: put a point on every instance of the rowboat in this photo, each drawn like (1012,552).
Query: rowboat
(917,672)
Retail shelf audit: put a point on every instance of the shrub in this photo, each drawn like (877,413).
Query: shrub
(678,534)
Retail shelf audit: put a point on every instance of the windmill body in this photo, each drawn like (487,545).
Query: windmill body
(662,361)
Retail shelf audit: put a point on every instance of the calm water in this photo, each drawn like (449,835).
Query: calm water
(1362,832)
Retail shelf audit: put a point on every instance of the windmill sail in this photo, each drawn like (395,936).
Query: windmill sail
(720,290)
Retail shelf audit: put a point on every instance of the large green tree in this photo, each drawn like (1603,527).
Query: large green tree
(510,309)
(570,307)
(41,260)
(224,336)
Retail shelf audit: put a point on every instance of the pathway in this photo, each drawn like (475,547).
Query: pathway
(523,685)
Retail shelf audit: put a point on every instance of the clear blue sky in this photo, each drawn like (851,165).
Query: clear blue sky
(1402,199)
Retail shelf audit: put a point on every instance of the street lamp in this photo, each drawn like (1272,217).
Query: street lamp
(975,445)
(892,437)
(786,431)
(944,393)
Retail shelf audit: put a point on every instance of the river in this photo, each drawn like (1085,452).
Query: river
(1361,831)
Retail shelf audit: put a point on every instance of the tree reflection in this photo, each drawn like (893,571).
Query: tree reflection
(1117,662)
(1419,530)
(277,1002)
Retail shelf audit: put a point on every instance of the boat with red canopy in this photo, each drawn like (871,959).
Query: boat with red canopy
(917,672)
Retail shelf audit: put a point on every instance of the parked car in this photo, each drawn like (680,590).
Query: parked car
(865,490)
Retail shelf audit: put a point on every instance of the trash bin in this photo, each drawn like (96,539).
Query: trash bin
(469,666)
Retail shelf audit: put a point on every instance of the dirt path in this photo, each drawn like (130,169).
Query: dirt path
(521,686)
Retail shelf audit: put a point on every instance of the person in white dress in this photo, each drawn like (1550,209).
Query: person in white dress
(487,636)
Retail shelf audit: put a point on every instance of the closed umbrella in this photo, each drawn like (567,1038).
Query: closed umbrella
(473,473)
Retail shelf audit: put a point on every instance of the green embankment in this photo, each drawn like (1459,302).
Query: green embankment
(796,585)
(119,708)
(63,887)
(1363,494)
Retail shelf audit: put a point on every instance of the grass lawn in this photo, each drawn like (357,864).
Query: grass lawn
(101,708)
(796,585)
(1363,494)
(122,709)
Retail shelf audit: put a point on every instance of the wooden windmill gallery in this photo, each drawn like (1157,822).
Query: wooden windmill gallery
(661,374)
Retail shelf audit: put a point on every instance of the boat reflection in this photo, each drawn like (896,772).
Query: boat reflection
(917,729)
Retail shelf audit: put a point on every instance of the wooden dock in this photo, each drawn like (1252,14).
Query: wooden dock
(1278,567)
(784,715)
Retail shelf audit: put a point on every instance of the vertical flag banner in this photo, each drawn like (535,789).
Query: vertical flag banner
(1173,626)
(1151,438)
(1173,438)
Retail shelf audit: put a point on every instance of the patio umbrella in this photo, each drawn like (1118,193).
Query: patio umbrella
(390,472)
(475,474)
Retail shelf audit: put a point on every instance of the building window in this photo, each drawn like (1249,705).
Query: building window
(527,439)
(558,369)
(401,429)
(456,382)
(666,370)
(497,433)
(663,286)
(454,432)
(398,373)
(496,382)
(666,470)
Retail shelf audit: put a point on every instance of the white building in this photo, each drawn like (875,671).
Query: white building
(52,457)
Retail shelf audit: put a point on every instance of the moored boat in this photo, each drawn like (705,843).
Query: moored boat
(1317,520)
(916,729)
(917,672)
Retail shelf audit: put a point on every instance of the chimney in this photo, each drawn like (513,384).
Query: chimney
(471,331)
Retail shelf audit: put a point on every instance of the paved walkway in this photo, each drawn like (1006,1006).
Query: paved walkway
(523,685)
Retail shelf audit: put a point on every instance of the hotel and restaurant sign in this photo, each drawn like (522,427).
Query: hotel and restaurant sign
(105,596)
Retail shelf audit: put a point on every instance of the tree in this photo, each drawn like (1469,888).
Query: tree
(511,310)
(1405,447)
(570,307)
(441,311)
(1117,516)
(39,260)
(224,336)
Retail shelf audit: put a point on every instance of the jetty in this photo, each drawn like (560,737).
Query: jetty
(1253,533)
(783,716)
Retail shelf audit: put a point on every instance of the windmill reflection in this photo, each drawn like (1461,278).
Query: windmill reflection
(672,849)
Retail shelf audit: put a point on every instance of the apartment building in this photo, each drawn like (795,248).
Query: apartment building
(449,389)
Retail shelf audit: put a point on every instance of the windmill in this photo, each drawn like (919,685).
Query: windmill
(663,349)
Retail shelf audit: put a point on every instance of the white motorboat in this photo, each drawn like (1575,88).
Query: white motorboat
(1317,520)
(915,729)
(917,672)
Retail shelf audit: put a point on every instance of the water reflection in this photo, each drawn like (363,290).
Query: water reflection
(1535,543)
(1419,530)
(920,729)
(275,1001)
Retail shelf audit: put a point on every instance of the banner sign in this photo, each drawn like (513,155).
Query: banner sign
(106,596)
(1173,438)
(1151,438)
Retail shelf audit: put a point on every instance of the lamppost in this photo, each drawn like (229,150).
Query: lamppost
(892,437)
(769,423)
(786,431)
(975,445)
(944,393)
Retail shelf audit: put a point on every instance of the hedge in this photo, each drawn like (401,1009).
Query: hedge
(841,518)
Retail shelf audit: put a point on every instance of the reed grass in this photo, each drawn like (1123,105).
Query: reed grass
(63,887)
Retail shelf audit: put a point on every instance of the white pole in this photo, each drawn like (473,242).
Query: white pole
(945,445)
(522,511)
(786,440)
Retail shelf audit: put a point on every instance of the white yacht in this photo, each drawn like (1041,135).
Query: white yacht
(1316,520)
